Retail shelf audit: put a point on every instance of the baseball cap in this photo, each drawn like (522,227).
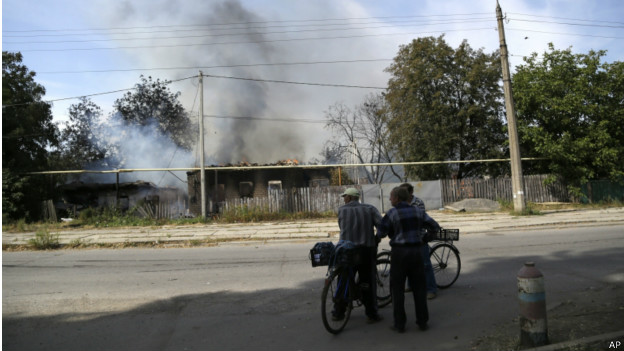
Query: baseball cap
(351,192)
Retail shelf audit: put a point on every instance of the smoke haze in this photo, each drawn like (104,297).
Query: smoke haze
(228,140)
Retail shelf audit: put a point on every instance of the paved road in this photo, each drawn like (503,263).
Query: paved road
(267,296)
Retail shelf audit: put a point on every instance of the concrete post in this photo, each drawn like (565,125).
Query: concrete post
(517,182)
(532,298)
(202,171)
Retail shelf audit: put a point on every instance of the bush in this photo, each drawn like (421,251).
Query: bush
(87,214)
(43,240)
(77,243)
(529,210)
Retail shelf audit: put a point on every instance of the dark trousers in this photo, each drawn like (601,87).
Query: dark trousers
(429,275)
(367,259)
(406,263)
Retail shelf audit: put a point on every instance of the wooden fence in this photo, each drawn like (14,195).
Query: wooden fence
(322,199)
(166,208)
(312,199)
(535,190)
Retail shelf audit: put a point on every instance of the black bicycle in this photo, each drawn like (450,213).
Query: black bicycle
(342,286)
(383,279)
(444,259)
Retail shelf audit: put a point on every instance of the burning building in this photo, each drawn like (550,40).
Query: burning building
(248,180)
(146,198)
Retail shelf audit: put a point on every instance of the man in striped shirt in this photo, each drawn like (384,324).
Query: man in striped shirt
(403,224)
(357,222)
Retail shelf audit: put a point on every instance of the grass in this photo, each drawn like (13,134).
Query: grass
(111,217)
(244,214)
(77,243)
(43,240)
(531,209)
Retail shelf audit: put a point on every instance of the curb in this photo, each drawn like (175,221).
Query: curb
(469,224)
(603,338)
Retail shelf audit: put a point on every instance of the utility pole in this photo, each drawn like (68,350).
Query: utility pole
(201,144)
(517,182)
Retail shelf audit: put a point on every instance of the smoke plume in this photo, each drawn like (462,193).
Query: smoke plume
(141,147)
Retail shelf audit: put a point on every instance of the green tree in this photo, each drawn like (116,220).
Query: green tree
(81,145)
(446,104)
(571,111)
(153,100)
(27,134)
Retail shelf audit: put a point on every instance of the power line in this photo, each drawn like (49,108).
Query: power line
(223,168)
(559,33)
(244,118)
(243,23)
(253,42)
(569,23)
(290,82)
(84,96)
(247,33)
(565,18)
(251,118)
(216,66)
(210,76)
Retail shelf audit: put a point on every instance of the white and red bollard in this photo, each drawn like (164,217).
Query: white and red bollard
(532,298)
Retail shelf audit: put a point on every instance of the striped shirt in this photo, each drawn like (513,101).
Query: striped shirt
(403,224)
(357,222)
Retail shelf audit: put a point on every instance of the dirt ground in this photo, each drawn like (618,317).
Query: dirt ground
(593,312)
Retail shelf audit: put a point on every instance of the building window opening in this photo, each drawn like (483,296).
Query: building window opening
(245,189)
(275,185)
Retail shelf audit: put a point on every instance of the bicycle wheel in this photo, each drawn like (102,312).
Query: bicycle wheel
(446,264)
(383,282)
(335,291)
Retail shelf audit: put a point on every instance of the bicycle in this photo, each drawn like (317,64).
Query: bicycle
(339,289)
(444,259)
(342,285)
(383,279)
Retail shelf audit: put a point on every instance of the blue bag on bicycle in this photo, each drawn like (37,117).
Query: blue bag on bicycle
(345,253)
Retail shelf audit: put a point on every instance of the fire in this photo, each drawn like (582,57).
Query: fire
(288,162)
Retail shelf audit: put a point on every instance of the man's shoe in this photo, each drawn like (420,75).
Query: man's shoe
(374,319)
(397,329)
(423,327)
(431,296)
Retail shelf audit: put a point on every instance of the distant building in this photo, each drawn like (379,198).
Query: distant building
(77,196)
(239,183)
